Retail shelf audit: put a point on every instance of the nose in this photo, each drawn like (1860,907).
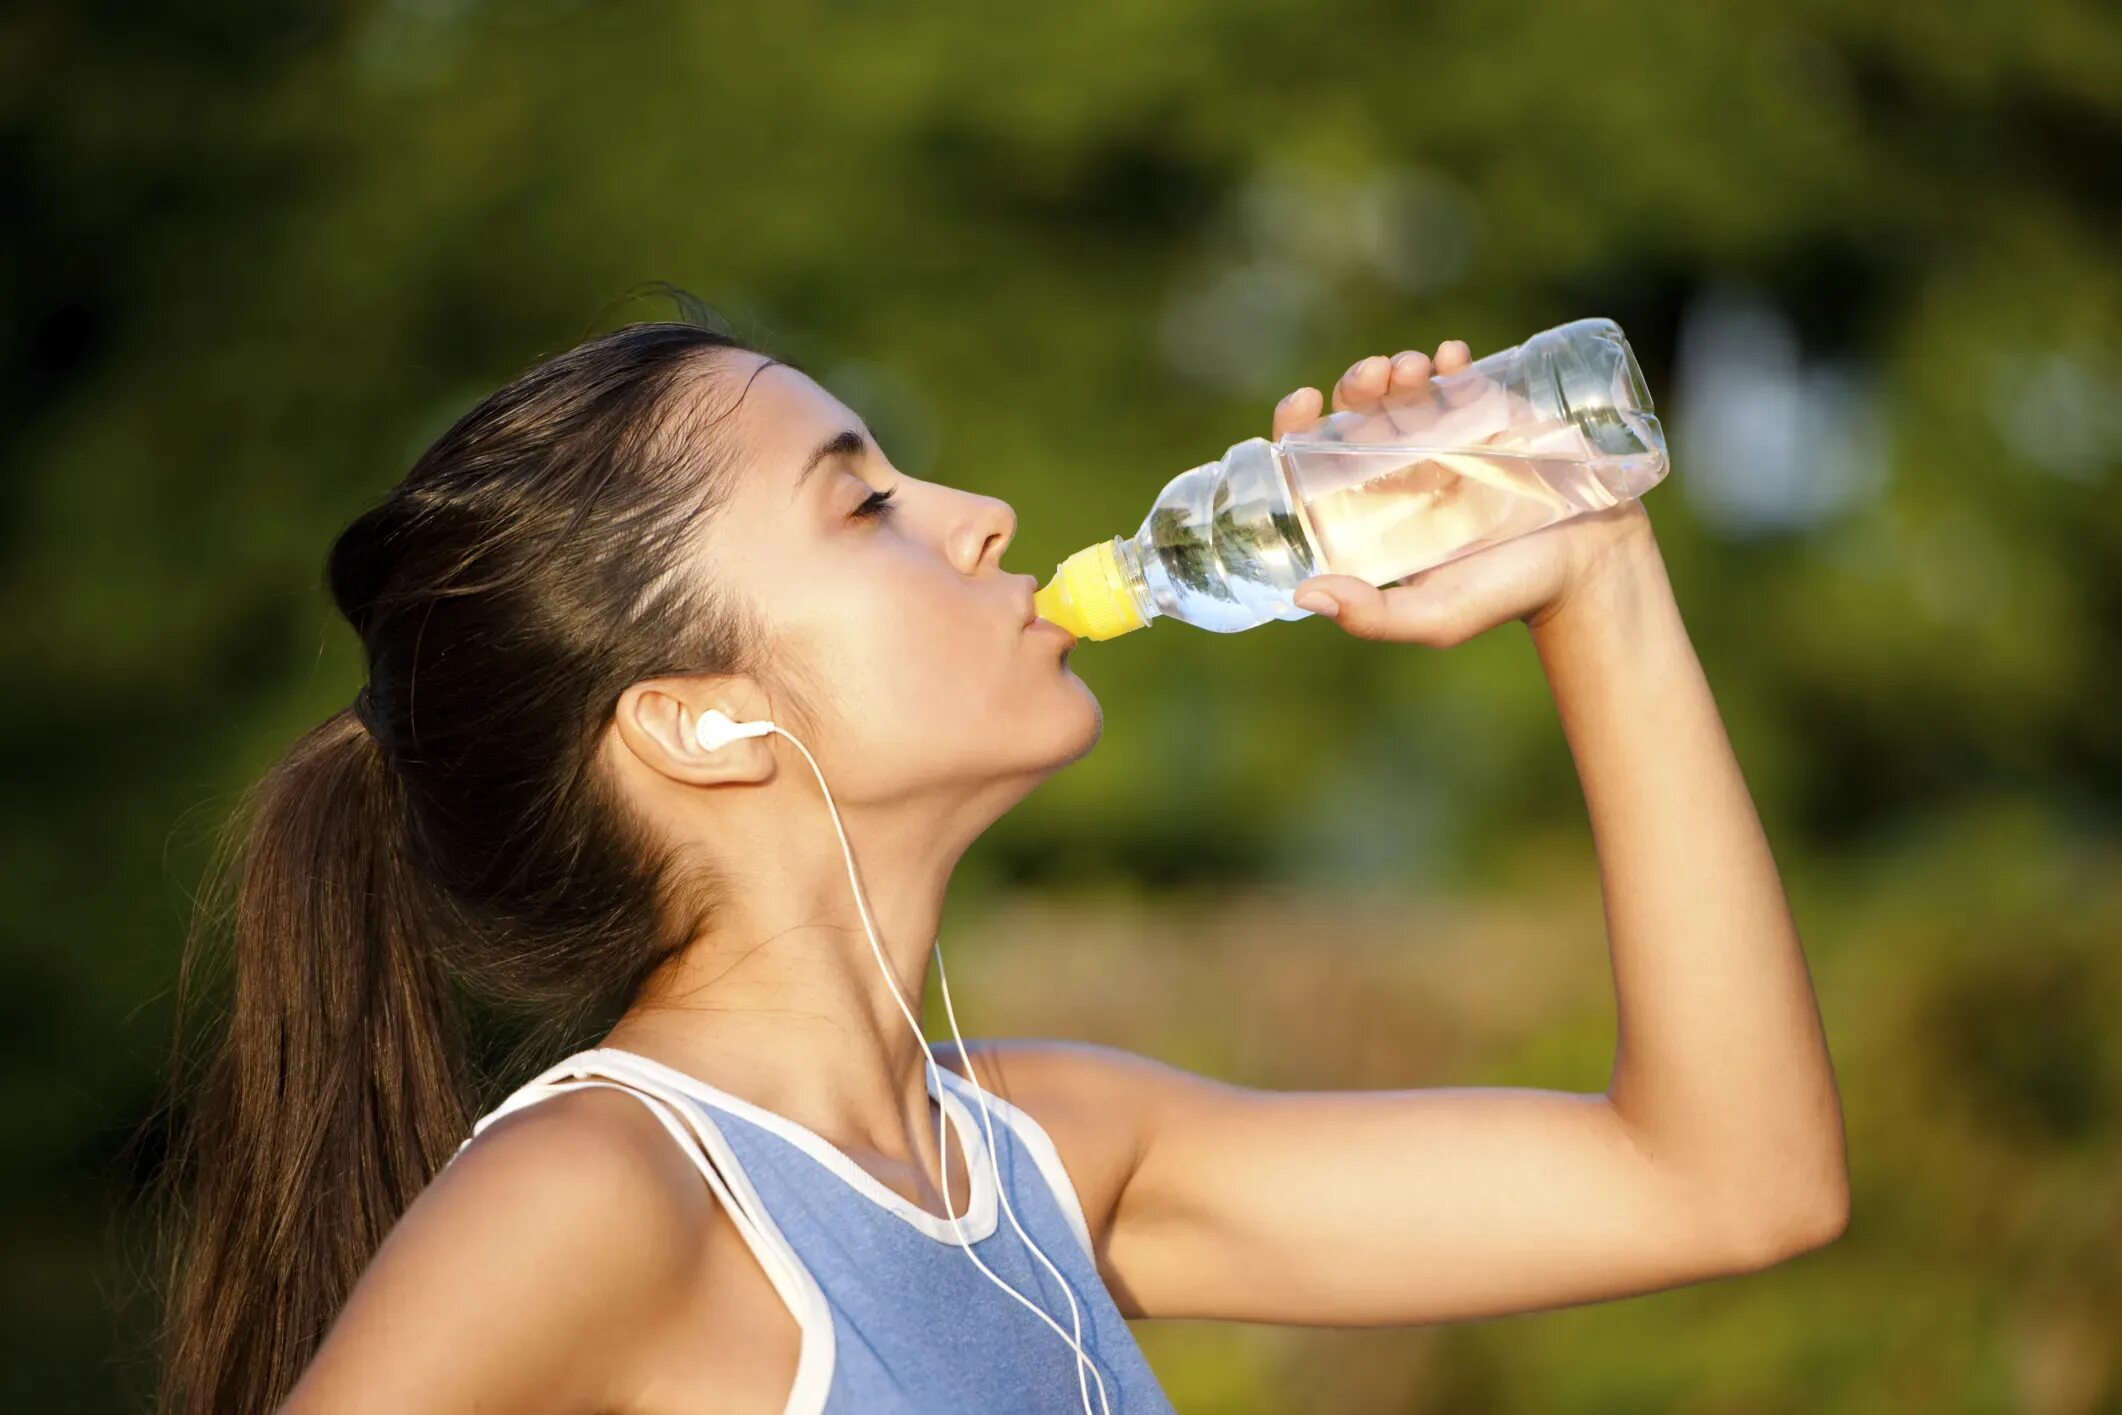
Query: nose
(987,531)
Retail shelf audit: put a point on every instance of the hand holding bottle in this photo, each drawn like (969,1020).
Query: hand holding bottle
(1528,577)
(1420,464)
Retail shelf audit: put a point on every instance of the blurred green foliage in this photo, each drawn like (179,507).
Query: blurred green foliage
(257,255)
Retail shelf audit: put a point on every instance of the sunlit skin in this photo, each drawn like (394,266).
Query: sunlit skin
(944,710)
(571,1260)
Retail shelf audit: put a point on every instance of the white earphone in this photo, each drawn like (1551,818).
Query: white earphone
(716,729)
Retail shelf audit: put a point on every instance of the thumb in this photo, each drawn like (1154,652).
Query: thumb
(1348,601)
(1439,607)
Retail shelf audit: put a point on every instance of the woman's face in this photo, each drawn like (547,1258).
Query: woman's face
(910,638)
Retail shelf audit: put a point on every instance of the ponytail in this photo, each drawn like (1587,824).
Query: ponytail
(429,884)
(336,1091)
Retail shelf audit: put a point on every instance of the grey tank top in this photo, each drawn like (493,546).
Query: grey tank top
(894,1316)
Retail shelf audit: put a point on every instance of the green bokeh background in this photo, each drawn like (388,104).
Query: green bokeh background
(257,255)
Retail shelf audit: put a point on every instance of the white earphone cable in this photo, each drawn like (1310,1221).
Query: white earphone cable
(980,1095)
(714,730)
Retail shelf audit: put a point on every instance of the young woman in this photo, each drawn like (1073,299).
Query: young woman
(752,1192)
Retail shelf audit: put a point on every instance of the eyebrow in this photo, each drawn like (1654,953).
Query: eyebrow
(848,442)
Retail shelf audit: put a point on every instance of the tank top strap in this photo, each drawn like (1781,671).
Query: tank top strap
(703,1142)
(1034,1139)
(893,1318)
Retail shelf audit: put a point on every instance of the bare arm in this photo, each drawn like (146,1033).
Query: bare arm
(1716,1148)
(1721,1069)
(1717,1145)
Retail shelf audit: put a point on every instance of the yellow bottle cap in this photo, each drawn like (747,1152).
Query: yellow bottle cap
(1089,595)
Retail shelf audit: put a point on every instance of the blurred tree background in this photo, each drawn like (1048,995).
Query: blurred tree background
(257,255)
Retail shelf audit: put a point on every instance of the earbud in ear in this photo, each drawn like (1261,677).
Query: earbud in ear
(716,729)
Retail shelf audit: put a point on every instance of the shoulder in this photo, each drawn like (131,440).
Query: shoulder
(596,1159)
(588,1174)
(1102,1106)
(529,1270)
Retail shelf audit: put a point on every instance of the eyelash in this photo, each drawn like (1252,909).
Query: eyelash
(874,507)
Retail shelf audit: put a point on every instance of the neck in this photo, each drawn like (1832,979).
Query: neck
(782,1002)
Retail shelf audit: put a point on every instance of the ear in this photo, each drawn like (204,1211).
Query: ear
(657,721)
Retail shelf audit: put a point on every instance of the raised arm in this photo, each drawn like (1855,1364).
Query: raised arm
(1717,1146)
(1721,1070)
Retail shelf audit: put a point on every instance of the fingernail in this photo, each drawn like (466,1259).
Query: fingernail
(1319,602)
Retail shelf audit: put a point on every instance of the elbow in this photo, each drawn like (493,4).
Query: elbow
(1820,1222)
(1775,1232)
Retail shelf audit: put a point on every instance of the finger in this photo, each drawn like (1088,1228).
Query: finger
(1360,608)
(1407,399)
(1411,369)
(1437,611)
(1296,410)
(1453,357)
(1363,384)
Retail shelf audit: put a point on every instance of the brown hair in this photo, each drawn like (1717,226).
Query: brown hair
(443,864)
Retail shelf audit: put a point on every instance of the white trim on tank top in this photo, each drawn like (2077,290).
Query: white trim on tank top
(817,1344)
(717,1161)
(982,1210)
(1045,1154)
(982,1218)
(1034,1137)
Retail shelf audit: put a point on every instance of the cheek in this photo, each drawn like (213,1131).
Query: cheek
(924,666)
(937,695)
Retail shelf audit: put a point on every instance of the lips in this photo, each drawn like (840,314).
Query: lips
(1050,624)
(1031,611)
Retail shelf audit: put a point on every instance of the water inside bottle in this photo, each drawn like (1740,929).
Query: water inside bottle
(1445,470)
(1381,513)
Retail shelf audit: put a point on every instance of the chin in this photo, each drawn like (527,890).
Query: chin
(1094,728)
(1054,738)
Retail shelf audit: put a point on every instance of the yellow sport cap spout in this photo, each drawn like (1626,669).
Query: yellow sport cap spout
(1089,595)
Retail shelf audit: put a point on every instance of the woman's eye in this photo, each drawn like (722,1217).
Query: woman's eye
(875,505)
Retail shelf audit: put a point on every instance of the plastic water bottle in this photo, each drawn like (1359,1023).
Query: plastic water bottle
(1556,426)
